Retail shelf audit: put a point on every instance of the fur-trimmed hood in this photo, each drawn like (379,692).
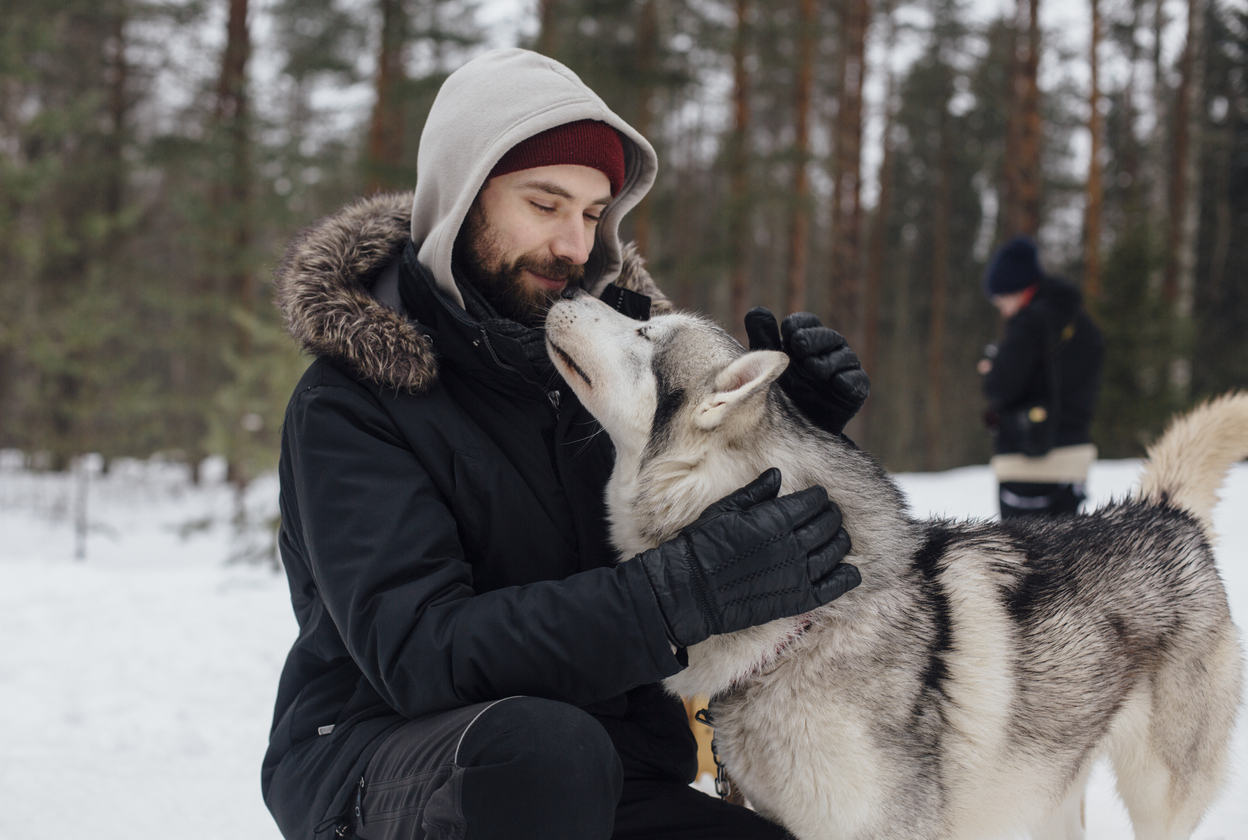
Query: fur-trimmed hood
(323,286)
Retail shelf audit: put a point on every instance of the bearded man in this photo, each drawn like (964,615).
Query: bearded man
(471,659)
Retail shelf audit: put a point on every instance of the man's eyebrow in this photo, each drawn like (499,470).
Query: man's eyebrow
(554,189)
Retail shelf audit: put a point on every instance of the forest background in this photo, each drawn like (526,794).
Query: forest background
(856,158)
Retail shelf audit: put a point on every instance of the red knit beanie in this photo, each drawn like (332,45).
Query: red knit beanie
(585,142)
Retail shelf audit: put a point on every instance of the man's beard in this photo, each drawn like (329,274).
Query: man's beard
(478,253)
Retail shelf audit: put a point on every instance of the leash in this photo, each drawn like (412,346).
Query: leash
(723,786)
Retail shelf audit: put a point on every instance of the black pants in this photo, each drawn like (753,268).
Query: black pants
(526,767)
(1023,498)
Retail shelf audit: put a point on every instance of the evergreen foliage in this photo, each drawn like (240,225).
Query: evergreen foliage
(145,194)
(1220,341)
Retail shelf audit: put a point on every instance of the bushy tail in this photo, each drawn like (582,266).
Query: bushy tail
(1188,464)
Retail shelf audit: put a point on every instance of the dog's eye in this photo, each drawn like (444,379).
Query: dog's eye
(643,332)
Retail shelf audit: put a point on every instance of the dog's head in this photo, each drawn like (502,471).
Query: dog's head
(676,375)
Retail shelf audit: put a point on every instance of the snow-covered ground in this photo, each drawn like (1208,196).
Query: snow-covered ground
(136,684)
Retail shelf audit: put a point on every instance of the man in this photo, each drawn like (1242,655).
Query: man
(471,660)
(1041,381)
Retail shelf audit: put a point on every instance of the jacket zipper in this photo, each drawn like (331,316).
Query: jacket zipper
(552,396)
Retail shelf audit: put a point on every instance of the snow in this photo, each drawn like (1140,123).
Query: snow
(136,684)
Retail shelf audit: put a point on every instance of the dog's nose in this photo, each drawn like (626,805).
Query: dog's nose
(571,292)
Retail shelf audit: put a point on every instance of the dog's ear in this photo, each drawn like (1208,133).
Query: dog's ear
(747,378)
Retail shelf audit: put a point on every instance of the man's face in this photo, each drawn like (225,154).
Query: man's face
(1011,304)
(529,234)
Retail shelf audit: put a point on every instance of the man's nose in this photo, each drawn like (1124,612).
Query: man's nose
(572,242)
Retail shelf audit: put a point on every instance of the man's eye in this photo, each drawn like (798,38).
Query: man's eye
(589,217)
(542,207)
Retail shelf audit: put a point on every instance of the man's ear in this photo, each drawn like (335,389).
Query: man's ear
(748,377)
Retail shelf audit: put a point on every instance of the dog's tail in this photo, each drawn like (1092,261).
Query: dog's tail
(1188,464)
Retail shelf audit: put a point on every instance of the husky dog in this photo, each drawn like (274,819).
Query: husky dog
(967,686)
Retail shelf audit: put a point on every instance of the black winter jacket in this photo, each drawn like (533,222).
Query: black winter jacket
(1019,377)
(443,530)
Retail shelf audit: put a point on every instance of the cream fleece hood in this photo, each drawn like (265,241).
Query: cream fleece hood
(483,109)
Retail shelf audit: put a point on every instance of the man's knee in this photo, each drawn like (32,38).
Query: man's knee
(538,765)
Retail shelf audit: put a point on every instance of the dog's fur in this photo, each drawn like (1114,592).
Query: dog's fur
(966,687)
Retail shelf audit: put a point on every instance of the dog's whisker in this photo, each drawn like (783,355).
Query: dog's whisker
(586,440)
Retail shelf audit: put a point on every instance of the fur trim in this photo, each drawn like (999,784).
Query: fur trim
(322,286)
(635,278)
(322,290)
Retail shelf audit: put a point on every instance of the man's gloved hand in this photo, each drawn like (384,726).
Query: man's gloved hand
(824,378)
(750,558)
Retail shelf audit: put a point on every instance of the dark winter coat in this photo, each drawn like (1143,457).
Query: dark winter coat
(443,528)
(1053,324)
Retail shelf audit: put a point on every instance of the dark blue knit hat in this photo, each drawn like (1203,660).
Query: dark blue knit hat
(1014,267)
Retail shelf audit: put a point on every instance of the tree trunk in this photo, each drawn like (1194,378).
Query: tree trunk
(1158,187)
(1022,159)
(1184,206)
(118,107)
(231,110)
(647,68)
(385,134)
(233,120)
(547,34)
(942,209)
(1129,155)
(1179,281)
(738,170)
(873,281)
(1092,210)
(242,283)
(1222,140)
(799,219)
(846,262)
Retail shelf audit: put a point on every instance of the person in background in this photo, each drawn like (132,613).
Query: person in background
(1041,380)
(471,661)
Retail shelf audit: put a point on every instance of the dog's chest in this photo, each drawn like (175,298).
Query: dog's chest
(628,525)
(645,511)
(785,741)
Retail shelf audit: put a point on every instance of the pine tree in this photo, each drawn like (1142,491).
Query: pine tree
(846,218)
(65,220)
(934,323)
(1220,340)
(800,209)
(1093,209)
(1023,138)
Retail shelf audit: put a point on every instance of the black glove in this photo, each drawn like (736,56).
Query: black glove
(824,378)
(750,558)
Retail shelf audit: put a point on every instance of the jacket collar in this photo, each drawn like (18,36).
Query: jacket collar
(1056,300)
(505,353)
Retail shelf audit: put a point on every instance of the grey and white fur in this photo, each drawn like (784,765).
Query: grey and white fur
(967,686)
